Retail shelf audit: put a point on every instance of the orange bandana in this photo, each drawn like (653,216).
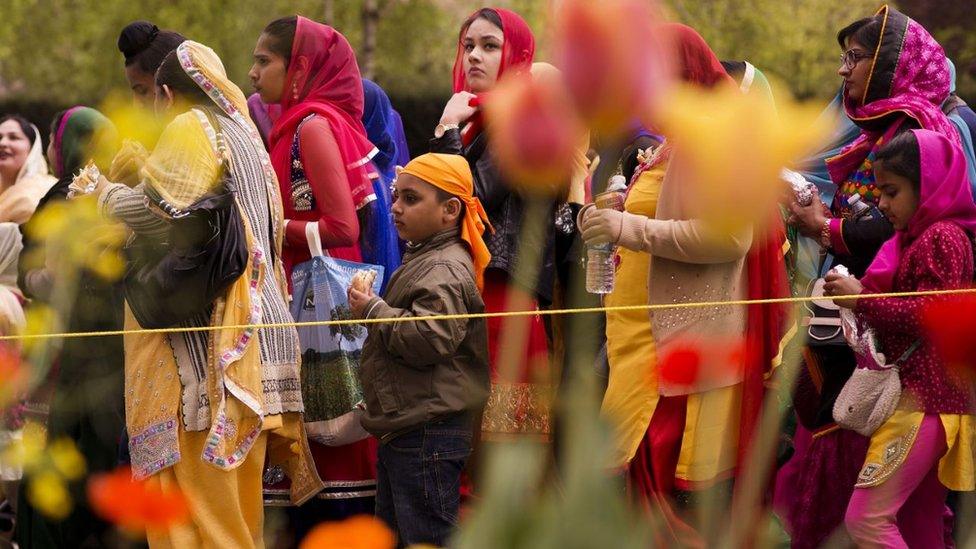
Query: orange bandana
(450,173)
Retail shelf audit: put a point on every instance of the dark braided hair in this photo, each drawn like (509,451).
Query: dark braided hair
(282,33)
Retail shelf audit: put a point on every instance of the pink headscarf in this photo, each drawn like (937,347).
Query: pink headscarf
(324,73)
(909,76)
(945,196)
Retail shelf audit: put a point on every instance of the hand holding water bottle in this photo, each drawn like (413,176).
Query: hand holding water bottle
(600,225)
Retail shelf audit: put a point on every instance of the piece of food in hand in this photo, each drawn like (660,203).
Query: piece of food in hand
(841,270)
(85,182)
(801,187)
(363,280)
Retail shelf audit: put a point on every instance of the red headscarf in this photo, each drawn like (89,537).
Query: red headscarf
(766,324)
(518,50)
(697,61)
(324,73)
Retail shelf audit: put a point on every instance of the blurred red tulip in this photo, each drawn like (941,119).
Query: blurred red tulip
(692,365)
(950,324)
(615,60)
(135,505)
(680,366)
(536,135)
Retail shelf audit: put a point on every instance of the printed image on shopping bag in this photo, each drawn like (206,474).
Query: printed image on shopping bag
(330,354)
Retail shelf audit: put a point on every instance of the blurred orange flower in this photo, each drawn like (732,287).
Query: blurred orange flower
(359,532)
(13,378)
(538,137)
(614,59)
(135,505)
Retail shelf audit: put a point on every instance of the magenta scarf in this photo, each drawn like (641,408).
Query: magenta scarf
(909,75)
(945,196)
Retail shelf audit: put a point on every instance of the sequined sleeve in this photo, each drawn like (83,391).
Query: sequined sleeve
(941,258)
(338,224)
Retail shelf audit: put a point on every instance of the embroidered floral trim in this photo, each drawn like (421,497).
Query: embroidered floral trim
(222,427)
(302,198)
(517,409)
(220,431)
(895,452)
(270,179)
(154,449)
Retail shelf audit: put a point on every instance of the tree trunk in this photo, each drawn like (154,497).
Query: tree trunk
(371,20)
(328,12)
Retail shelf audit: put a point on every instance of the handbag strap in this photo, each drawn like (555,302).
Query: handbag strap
(314,240)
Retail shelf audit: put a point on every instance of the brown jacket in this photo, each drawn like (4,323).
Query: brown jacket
(416,371)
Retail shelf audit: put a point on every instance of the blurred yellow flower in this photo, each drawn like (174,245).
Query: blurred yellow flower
(132,121)
(67,459)
(49,495)
(76,236)
(47,468)
(28,452)
(732,146)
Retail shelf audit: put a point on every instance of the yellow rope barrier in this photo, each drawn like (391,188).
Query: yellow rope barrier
(549,312)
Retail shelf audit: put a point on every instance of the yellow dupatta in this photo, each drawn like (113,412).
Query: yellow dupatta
(240,418)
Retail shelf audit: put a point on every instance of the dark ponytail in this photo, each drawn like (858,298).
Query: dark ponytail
(282,33)
(144,45)
(866,32)
(171,74)
(901,156)
(487,14)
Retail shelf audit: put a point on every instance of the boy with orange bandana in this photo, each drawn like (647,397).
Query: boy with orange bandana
(424,381)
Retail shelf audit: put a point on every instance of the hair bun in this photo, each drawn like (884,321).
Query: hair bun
(136,37)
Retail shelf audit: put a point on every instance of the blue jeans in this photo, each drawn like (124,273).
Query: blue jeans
(418,480)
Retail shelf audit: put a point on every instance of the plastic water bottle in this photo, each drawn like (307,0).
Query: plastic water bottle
(860,207)
(600,258)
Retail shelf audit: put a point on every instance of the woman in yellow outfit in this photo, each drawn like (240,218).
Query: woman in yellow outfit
(674,433)
(203,409)
(665,442)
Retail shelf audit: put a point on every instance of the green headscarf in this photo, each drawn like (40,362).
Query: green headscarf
(78,134)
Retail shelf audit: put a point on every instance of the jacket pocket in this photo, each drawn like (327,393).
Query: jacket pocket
(384,384)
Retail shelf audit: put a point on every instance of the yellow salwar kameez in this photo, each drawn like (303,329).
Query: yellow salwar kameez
(709,442)
(212,445)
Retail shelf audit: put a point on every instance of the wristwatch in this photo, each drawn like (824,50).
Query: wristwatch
(441,129)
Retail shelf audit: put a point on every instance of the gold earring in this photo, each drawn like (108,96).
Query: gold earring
(294,92)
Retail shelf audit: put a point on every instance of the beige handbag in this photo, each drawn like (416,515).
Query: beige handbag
(872,393)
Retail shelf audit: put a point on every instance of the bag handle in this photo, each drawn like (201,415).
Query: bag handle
(314,240)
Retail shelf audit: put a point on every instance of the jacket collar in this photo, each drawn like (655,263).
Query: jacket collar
(435,242)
